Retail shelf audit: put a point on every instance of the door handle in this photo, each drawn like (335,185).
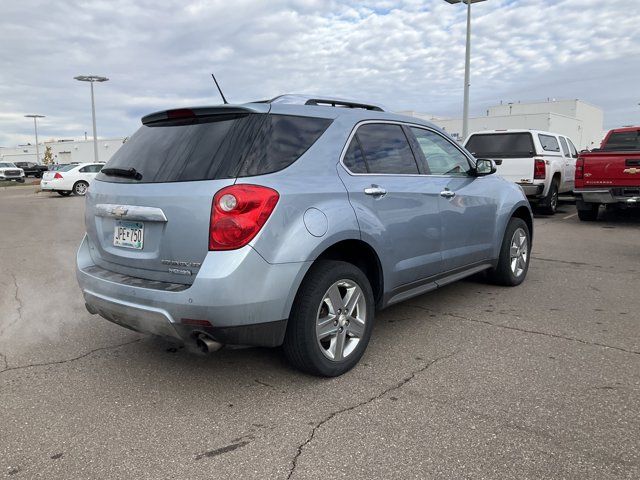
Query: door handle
(375,190)
(447,194)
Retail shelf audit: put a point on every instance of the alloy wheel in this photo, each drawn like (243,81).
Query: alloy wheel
(340,322)
(519,252)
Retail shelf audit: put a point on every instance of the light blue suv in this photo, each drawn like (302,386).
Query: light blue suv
(290,222)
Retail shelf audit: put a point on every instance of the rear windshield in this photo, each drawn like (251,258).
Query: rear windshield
(66,168)
(501,145)
(225,146)
(623,141)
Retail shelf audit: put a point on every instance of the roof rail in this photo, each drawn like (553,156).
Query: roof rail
(324,101)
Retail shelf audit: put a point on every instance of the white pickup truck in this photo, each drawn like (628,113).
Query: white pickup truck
(542,163)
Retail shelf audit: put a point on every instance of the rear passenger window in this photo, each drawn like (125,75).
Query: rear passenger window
(549,143)
(386,149)
(442,157)
(574,152)
(353,159)
(565,147)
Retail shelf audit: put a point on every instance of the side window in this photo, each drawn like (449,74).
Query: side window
(354,159)
(574,152)
(86,169)
(442,157)
(549,143)
(386,149)
(565,147)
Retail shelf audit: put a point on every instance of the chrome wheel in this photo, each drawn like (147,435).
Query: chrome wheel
(341,318)
(519,252)
(81,188)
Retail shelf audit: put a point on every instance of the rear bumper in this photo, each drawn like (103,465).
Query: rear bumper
(605,196)
(50,186)
(244,299)
(531,190)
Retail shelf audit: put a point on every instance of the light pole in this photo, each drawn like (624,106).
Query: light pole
(35,127)
(467,66)
(91,79)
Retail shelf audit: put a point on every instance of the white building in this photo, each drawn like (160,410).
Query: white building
(64,151)
(578,120)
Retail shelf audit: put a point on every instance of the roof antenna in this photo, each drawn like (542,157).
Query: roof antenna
(219,89)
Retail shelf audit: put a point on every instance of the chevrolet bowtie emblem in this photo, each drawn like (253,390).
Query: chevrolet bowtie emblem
(119,211)
(632,171)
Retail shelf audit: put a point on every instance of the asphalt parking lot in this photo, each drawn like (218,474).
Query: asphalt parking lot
(471,381)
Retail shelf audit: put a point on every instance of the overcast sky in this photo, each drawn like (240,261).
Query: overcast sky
(406,54)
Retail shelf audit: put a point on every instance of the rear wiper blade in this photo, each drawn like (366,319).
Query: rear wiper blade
(122,172)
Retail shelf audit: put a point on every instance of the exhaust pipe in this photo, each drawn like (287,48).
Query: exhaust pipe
(206,344)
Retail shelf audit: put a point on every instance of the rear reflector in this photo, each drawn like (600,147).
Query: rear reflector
(539,169)
(195,323)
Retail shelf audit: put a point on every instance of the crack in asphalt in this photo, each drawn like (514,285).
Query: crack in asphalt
(397,386)
(79,357)
(18,300)
(4,360)
(566,262)
(524,330)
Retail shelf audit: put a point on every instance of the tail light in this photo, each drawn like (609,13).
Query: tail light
(57,176)
(539,169)
(238,213)
(579,168)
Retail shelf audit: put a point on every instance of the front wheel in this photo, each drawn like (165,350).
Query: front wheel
(80,188)
(331,319)
(515,254)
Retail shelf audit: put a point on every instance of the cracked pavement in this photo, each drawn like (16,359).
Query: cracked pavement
(471,381)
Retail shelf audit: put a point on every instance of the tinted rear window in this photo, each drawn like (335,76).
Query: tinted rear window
(501,145)
(623,141)
(224,146)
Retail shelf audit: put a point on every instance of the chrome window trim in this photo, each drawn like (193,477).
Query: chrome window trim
(407,124)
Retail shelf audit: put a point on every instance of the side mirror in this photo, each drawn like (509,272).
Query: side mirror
(484,166)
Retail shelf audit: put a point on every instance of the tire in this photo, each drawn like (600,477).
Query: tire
(587,212)
(80,188)
(63,193)
(304,345)
(504,273)
(549,205)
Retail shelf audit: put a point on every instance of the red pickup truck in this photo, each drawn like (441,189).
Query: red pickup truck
(609,175)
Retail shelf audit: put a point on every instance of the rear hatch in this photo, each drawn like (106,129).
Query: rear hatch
(513,153)
(148,211)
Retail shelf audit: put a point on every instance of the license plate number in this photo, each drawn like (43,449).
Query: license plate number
(129,234)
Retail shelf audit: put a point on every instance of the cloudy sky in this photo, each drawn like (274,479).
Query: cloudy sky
(406,54)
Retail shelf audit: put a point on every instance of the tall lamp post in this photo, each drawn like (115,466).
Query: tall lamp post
(92,79)
(467,66)
(35,127)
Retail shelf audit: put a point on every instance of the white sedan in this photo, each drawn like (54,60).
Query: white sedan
(73,178)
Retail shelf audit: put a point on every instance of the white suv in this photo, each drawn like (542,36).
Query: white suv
(9,171)
(542,163)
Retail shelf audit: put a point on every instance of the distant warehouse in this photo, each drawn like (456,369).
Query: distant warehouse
(578,120)
(64,151)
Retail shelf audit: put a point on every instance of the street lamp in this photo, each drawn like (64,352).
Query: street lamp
(35,126)
(91,79)
(467,63)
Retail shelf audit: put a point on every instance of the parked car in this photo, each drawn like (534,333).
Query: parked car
(542,163)
(71,178)
(290,222)
(9,171)
(31,168)
(609,175)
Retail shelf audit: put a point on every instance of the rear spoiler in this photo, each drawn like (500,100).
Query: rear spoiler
(178,114)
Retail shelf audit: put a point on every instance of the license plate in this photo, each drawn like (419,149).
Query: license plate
(129,234)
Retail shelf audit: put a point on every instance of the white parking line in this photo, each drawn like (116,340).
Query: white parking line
(569,216)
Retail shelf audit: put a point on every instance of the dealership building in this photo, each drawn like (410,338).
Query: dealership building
(64,151)
(578,120)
